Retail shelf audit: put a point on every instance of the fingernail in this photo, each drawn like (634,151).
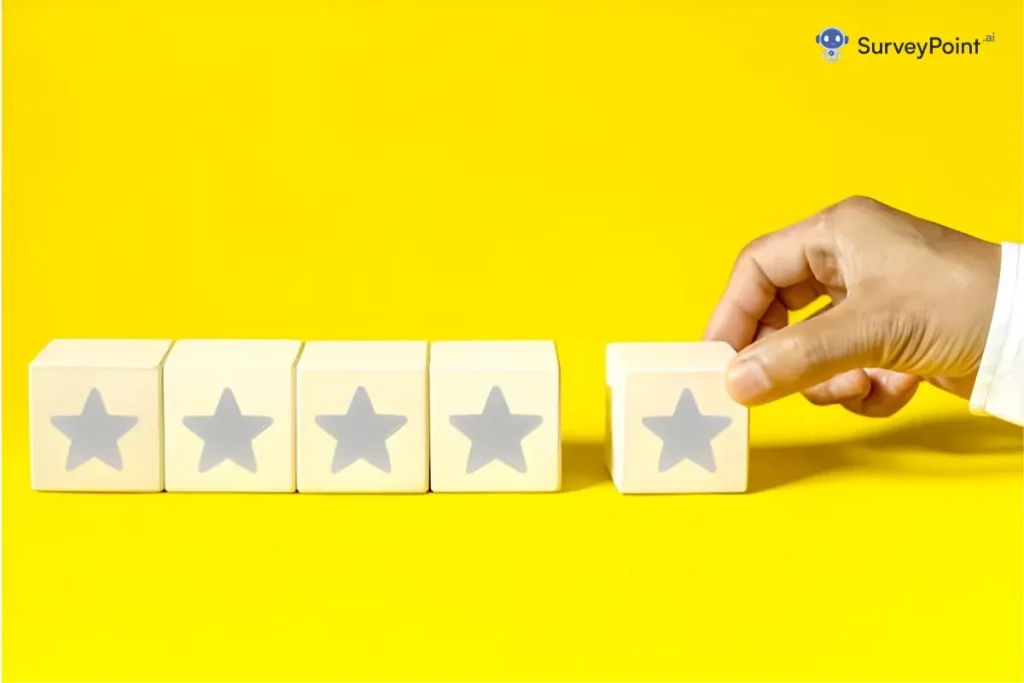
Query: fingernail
(747,381)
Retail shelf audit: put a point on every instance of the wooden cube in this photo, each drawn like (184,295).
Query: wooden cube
(673,427)
(229,415)
(94,415)
(494,416)
(361,416)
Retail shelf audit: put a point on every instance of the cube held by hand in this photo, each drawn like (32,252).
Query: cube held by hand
(673,427)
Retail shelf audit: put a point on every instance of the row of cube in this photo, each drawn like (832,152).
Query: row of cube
(359,416)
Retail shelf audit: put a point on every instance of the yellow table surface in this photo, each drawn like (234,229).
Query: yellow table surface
(584,172)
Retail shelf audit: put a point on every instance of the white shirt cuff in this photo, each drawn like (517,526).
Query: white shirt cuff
(999,388)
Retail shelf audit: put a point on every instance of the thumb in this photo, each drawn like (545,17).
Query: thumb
(802,355)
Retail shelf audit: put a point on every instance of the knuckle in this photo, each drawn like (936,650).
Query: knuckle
(851,207)
(897,340)
(749,252)
(799,355)
(858,203)
(811,350)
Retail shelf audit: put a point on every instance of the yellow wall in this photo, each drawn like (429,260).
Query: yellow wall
(578,171)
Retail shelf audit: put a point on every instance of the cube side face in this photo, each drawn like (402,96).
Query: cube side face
(362,431)
(615,413)
(683,433)
(495,431)
(230,429)
(609,433)
(95,429)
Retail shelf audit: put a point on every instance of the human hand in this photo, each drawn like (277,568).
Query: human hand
(910,301)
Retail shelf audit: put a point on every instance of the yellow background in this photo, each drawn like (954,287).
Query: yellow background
(582,171)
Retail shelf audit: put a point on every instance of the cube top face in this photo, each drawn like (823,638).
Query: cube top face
(494,356)
(369,356)
(232,353)
(625,358)
(134,354)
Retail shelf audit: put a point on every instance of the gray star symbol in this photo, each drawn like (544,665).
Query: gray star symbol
(227,434)
(686,434)
(362,433)
(496,433)
(94,433)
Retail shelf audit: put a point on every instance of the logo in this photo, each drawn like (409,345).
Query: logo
(918,49)
(831,39)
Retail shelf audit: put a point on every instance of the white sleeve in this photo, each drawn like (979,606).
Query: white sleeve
(999,388)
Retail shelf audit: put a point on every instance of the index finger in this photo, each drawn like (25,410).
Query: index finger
(766,265)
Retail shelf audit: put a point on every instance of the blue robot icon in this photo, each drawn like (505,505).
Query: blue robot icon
(831,39)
